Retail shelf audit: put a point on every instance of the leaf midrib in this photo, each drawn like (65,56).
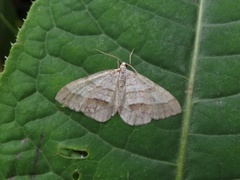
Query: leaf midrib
(189,98)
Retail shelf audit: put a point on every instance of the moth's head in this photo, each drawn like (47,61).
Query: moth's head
(123,65)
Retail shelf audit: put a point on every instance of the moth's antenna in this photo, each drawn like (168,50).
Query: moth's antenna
(130,57)
(132,67)
(130,61)
(109,55)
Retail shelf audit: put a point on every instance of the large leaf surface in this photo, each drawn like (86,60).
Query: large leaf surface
(191,49)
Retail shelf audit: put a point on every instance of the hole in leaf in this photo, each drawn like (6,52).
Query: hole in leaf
(83,154)
(76,175)
(73,153)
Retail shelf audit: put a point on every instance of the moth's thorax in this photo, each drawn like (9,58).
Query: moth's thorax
(122,74)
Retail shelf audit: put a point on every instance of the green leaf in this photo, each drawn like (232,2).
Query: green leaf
(190,48)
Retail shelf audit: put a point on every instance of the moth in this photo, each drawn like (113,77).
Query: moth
(134,97)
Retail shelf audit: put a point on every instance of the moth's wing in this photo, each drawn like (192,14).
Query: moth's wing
(144,100)
(93,95)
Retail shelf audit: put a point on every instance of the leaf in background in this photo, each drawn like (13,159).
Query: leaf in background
(8,29)
(177,44)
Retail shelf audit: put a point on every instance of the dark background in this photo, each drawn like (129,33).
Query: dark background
(12,13)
